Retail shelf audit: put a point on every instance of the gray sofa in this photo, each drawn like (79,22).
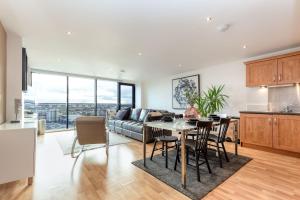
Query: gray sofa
(133,126)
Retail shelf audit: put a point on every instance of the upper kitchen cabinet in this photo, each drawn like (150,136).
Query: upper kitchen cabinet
(261,73)
(289,70)
(276,70)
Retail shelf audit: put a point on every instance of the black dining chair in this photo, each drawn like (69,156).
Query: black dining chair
(197,146)
(217,138)
(165,138)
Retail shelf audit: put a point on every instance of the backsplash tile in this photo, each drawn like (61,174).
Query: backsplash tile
(281,97)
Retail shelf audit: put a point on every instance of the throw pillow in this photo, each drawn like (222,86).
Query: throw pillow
(143,115)
(135,114)
(122,114)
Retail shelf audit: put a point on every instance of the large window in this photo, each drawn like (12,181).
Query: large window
(127,95)
(50,99)
(107,96)
(60,99)
(81,98)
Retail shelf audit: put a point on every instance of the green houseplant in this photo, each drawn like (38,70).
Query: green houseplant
(211,101)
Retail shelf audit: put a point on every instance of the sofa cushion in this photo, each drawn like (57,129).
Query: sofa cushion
(127,124)
(135,114)
(143,115)
(137,127)
(118,123)
(123,114)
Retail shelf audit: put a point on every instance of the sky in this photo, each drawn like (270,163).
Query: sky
(49,88)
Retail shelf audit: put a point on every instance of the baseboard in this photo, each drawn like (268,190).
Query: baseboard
(272,150)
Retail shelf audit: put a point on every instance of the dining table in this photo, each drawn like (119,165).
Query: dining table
(180,126)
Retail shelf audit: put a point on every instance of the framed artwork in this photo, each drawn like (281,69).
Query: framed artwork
(179,88)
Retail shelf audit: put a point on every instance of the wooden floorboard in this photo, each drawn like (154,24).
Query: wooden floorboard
(94,176)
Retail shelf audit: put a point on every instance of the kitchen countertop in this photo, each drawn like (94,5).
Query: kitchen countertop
(271,112)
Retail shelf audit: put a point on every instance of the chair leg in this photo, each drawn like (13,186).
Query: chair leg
(154,146)
(187,155)
(73,148)
(166,153)
(227,159)
(163,148)
(219,155)
(197,167)
(206,161)
(177,157)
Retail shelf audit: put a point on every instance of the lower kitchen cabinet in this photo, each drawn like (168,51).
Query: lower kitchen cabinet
(278,132)
(256,129)
(286,132)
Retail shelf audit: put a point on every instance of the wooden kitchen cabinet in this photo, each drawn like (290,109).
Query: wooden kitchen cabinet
(272,71)
(261,73)
(286,132)
(289,70)
(257,129)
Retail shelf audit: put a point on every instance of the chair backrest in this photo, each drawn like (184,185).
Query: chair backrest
(224,124)
(203,130)
(90,130)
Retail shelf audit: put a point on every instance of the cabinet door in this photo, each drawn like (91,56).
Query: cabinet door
(289,70)
(257,129)
(286,134)
(261,73)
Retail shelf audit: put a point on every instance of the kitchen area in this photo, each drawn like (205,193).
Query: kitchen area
(277,128)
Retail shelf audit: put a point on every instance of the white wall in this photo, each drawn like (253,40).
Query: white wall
(14,74)
(157,93)
(2,73)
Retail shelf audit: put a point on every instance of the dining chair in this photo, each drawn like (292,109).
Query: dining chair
(90,130)
(217,138)
(197,146)
(165,138)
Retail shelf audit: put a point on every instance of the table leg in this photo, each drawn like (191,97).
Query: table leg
(183,160)
(144,144)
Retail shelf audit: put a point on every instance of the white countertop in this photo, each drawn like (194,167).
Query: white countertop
(16,126)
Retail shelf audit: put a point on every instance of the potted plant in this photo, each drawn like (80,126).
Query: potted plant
(211,101)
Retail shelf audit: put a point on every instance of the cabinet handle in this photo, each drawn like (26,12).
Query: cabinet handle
(275,121)
(274,78)
(270,121)
(279,77)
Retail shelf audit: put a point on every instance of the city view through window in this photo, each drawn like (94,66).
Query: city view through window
(60,99)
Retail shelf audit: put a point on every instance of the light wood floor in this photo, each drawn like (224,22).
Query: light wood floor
(267,176)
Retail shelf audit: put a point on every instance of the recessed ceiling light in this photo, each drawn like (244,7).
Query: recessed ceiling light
(244,46)
(69,33)
(140,54)
(179,65)
(58,60)
(208,19)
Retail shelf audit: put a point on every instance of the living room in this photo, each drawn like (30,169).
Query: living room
(149,100)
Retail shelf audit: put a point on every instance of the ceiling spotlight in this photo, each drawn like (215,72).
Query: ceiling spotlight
(179,65)
(244,46)
(58,60)
(140,54)
(69,33)
(208,19)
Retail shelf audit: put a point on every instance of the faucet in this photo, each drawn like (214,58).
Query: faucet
(288,108)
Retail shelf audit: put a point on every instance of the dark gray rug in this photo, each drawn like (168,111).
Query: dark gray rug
(194,189)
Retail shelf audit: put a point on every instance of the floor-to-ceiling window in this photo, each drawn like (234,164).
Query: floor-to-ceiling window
(60,99)
(107,96)
(50,99)
(81,98)
(126,95)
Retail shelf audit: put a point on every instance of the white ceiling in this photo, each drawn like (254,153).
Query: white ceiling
(107,35)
